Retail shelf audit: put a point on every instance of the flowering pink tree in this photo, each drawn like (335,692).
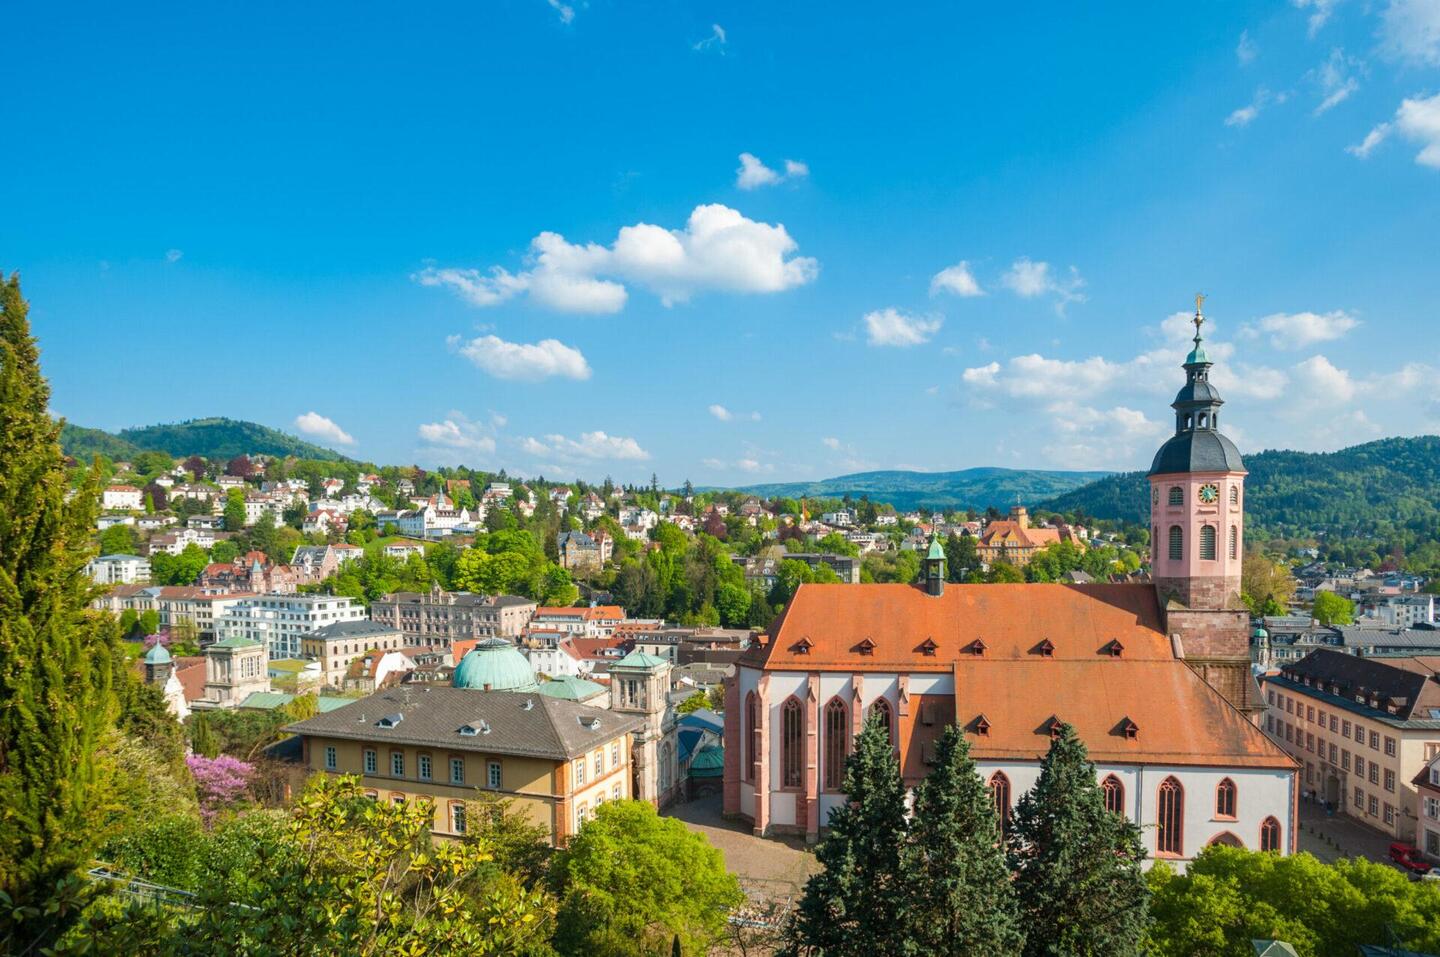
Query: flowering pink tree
(219,782)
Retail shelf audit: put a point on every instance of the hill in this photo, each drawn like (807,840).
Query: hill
(1388,489)
(978,488)
(213,438)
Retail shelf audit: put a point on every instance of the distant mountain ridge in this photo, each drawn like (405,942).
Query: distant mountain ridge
(977,488)
(213,438)
(1372,489)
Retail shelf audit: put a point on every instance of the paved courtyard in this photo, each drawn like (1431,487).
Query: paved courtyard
(1333,837)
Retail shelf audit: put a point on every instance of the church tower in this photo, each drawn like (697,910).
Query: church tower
(1197,499)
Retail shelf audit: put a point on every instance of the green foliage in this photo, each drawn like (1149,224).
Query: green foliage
(969,488)
(166,849)
(56,658)
(84,444)
(518,845)
(1333,609)
(1229,896)
(1266,586)
(693,703)
(961,557)
(837,544)
(202,736)
(182,569)
(220,438)
(1004,573)
(631,881)
(855,905)
(234,510)
(118,540)
(1076,865)
(961,899)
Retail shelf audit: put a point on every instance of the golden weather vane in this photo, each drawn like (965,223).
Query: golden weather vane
(1199,316)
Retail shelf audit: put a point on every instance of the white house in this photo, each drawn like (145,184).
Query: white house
(119,570)
(122,497)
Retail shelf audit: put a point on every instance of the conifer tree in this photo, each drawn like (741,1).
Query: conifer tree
(1076,865)
(56,658)
(855,904)
(961,898)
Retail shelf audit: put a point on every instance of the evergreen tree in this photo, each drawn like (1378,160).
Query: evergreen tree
(856,903)
(961,899)
(56,658)
(1076,865)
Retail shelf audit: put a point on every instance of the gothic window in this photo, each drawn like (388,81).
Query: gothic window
(792,743)
(1000,793)
(752,734)
(1225,799)
(1270,834)
(837,743)
(1177,497)
(1170,817)
(1234,542)
(1177,543)
(880,710)
(1114,792)
(1207,542)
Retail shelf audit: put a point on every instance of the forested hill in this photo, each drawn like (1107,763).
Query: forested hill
(1387,489)
(214,438)
(978,488)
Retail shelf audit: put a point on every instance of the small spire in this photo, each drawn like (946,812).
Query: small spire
(1199,319)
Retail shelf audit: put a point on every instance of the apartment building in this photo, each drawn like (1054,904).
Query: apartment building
(440,617)
(281,622)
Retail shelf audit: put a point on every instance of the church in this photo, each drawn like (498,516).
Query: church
(1155,678)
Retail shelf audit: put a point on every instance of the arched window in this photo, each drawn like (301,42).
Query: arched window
(1234,545)
(1177,497)
(1225,799)
(1234,495)
(880,709)
(1204,420)
(1207,542)
(667,757)
(1226,839)
(837,743)
(1177,543)
(1171,817)
(1114,791)
(792,744)
(1269,834)
(752,735)
(1000,793)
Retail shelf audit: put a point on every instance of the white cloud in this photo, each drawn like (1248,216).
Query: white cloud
(716,40)
(721,413)
(891,327)
(831,443)
(1245,115)
(173,255)
(523,360)
(1319,15)
(589,446)
(1336,79)
(957,279)
(318,426)
(564,10)
(1410,31)
(754,174)
(1245,50)
(1318,381)
(457,432)
(1374,138)
(1029,279)
(1300,330)
(718,250)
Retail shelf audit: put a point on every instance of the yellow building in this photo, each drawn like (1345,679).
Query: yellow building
(557,760)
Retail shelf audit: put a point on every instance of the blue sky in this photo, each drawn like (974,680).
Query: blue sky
(522,233)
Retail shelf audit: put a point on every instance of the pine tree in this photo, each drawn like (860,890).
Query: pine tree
(1076,865)
(961,899)
(856,902)
(56,658)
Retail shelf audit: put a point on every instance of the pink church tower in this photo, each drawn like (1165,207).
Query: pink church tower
(1197,535)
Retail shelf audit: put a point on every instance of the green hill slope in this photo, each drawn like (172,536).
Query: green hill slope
(215,438)
(1387,489)
(978,488)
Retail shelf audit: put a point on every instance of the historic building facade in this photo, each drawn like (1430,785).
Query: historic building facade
(1153,677)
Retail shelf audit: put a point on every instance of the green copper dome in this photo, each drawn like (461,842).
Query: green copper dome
(937,551)
(157,655)
(495,665)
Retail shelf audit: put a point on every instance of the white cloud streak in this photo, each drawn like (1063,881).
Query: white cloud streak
(891,327)
(590,446)
(753,173)
(957,280)
(523,361)
(318,426)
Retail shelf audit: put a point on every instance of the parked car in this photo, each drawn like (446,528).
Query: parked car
(1409,857)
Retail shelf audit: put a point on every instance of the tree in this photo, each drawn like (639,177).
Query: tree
(349,875)
(1002,572)
(234,510)
(57,661)
(855,905)
(118,540)
(219,781)
(631,881)
(961,899)
(1076,865)
(202,737)
(1229,896)
(695,702)
(960,557)
(1265,585)
(1333,609)
(240,467)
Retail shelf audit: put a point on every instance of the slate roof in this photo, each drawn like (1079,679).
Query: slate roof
(362,628)
(1410,685)
(1197,450)
(521,723)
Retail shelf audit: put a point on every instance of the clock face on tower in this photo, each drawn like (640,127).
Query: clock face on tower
(1209,494)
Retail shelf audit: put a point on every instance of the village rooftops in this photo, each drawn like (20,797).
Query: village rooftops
(1401,691)
(525,724)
